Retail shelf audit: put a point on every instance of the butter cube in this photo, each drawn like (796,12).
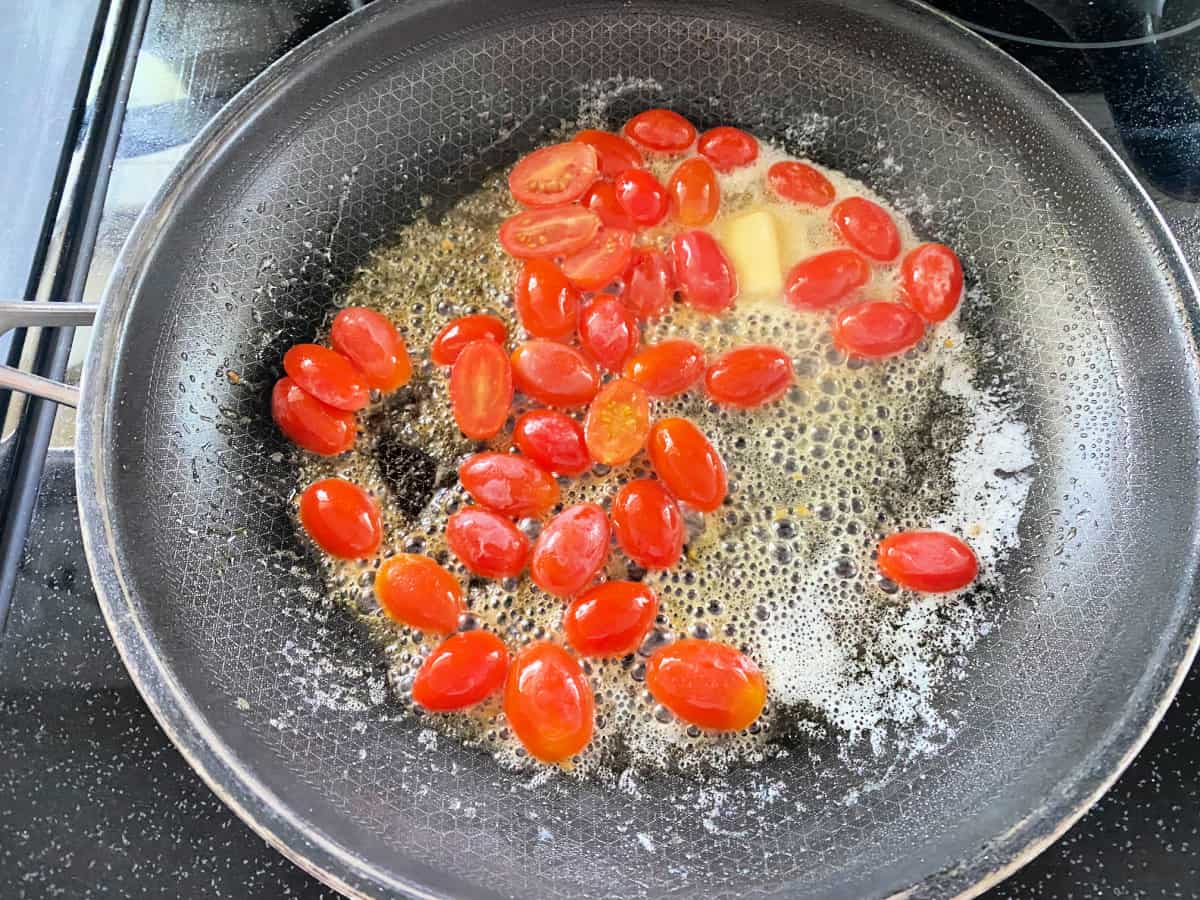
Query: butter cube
(751,241)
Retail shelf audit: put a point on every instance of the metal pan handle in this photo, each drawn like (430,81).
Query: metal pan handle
(20,314)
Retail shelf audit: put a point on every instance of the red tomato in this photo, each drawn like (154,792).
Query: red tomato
(931,281)
(867,227)
(642,196)
(826,279)
(416,591)
(464,670)
(707,684)
(667,368)
(601,199)
(616,154)
(875,329)
(552,440)
(608,332)
(487,543)
(617,422)
(554,175)
(610,619)
(548,232)
(929,561)
(727,148)
(648,524)
(687,463)
(703,272)
(508,484)
(548,702)
(661,130)
(600,262)
(571,550)
(649,284)
(341,518)
(455,335)
(547,304)
(554,374)
(695,195)
(800,183)
(327,375)
(374,345)
(481,389)
(749,376)
(307,421)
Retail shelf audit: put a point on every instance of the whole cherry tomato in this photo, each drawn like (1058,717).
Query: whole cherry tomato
(552,440)
(487,543)
(571,550)
(547,304)
(617,422)
(600,262)
(867,227)
(642,196)
(929,561)
(610,619)
(649,284)
(648,524)
(826,279)
(695,194)
(481,389)
(608,332)
(551,232)
(554,175)
(931,281)
(601,199)
(307,421)
(416,591)
(463,670)
(548,702)
(875,329)
(327,375)
(749,376)
(455,335)
(727,148)
(554,374)
(341,518)
(667,368)
(661,130)
(374,345)
(707,684)
(800,183)
(687,463)
(703,272)
(508,484)
(616,154)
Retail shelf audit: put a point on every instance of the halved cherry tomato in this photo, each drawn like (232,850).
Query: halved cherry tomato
(608,332)
(610,619)
(548,232)
(601,199)
(463,670)
(554,175)
(931,281)
(554,374)
(727,148)
(617,422)
(648,524)
(707,684)
(552,440)
(826,279)
(600,262)
(455,335)
(374,345)
(703,272)
(341,518)
(508,484)
(481,389)
(616,154)
(695,195)
(661,130)
(305,420)
(800,183)
(687,463)
(547,304)
(571,550)
(416,591)
(327,375)
(876,328)
(642,196)
(749,376)
(929,561)
(649,284)
(667,368)
(487,543)
(548,702)
(867,227)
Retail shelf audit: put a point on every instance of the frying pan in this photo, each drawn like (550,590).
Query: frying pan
(280,700)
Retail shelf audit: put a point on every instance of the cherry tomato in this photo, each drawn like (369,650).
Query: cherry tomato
(487,543)
(707,684)
(703,272)
(648,524)
(929,561)
(548,232)
(547,304)
(554,175)
(481,389)
(931,281)
(617,422)
(727,148)
(661,130)
(463,670)
(552,440)
(610,619)
(306,421)
(749,376)
(601,199)
(800,183)
(649,284)
(687,463)
(600,262)
(374,345)
(875,329)
(616,154)
(867,227)
(571,550)
(554,374)
(508,484)
(642,196)
(548,702)
(455,335)
(341,518)
(667,368)
(327,375)
(416,591)
(695,195)
(608,332)
(826,279)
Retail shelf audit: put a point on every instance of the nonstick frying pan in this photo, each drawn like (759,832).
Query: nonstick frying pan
(280,701)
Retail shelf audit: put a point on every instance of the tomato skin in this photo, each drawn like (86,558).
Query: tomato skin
(616,154)
(608,332)
(341,518)
(547,304)
(463,670)
(876,329)
(455,335)
(306,421)
(611,619)
(374,345)
(706,683)
(548,702)
(825,280)
(727,148)
(929,561)
(617,422)
(555,231)
(481,389)
(931,281)
(508,484)
(695,194)
(800,183)
(601,199)
(648,524)
(554,175)
(661,130)
(867,227)
(687,463)
(703,272)
(327,375)
(649,284)
(749,376)
(554,374)
(416,591)
(642,196)
(667,368)
(601,261)
(552,440)
(487,543)
(571,550)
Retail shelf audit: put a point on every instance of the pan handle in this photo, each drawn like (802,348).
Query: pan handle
(57,314)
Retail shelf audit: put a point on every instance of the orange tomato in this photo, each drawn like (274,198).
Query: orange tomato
(931,281)
(600,262)
(601,199)
(661,130)
(648,524)
(695,195)
(876,329)
(727,148)
(341,518)
(608,332)
(307,421)
(687,463)
(552,440)
(571,550)
(749,376)
(455,335)
(616,154)
(610,619)
(554,374)
(487,543)
(508,484)
(374,345)
(554,175)
(707,684)
(649,284)
(867,227)
(642,196)
(327,376)
(547,304)
(826,279)
(703,272)
(667,368)
(417,592)
(929,561)
(547,233)
(800,183)
(463,670)
(481,389)
(617,422)
(548,702)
